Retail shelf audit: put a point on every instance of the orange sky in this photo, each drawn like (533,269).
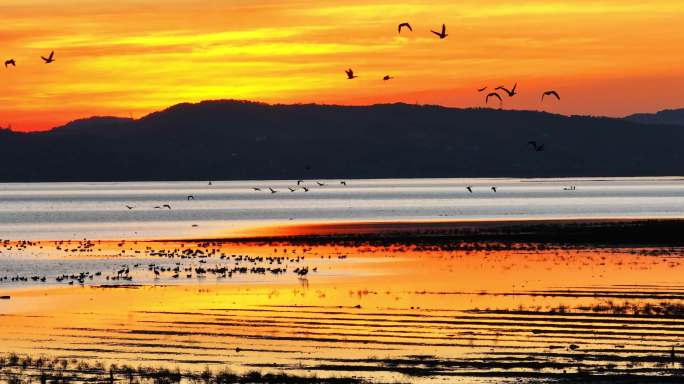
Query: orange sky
(129,58)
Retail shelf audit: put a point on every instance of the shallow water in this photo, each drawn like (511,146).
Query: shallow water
(388,314)
(59,211)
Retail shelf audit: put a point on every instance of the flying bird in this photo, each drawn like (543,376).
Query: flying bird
(510,93)
(443,34)
(10,62)
(350,74)
(320,184)
(343,183)
(494,189)
(537,148)
(50,58)
(129,207)
(387,77)
(551,93)
(405,25)
(470,189)
(493,94)
(482,89)
(257,189)
(166,206)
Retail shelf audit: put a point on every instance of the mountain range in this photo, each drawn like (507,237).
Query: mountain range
(668,116)
(243,140)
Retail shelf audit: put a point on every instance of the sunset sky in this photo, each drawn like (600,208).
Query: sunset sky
(129,58)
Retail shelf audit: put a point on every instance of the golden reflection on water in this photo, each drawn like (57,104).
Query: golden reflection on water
(363,302)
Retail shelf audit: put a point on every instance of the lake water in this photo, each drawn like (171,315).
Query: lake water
(383,313)
(52,211)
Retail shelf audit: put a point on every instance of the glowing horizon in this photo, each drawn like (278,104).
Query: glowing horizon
(608,58)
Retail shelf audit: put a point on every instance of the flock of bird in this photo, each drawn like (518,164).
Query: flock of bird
(300,185)
(442,34)
(185,260)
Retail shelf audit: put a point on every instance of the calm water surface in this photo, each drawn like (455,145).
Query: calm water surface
(50,211)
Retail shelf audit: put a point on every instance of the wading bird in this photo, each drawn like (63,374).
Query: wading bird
(550,93)
(350,74)
(441,35)
(404,25)
(49,59)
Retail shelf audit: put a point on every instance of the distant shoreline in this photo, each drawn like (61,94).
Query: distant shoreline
(590,232)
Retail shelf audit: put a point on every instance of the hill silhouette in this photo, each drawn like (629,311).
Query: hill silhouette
(243,140)
(668,116)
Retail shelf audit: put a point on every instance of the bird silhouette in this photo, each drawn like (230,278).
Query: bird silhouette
(387,77)
(129,207)
(511,92)
(272,190)
(404,25)
(470,189)
(482,89)
(166,206)
(350,74)
(50,58)
(537,148)
(494,189)
(320,184)
(257,189)
(443,34)
(493,94)
(343,183)
(550,93)
(10,62)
